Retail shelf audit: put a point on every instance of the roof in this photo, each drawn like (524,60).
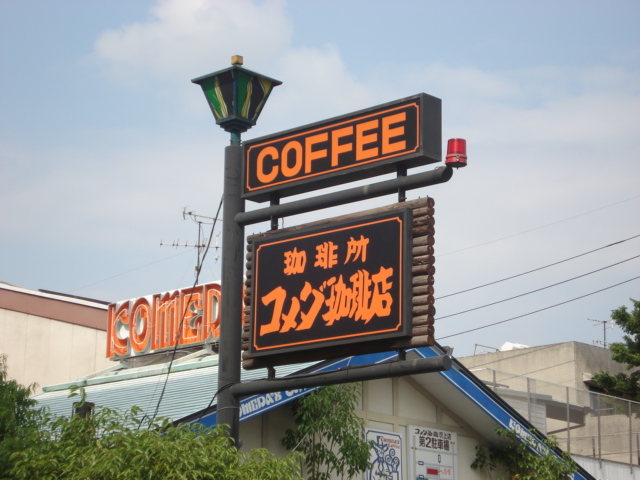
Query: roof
(55,306)
(189,387)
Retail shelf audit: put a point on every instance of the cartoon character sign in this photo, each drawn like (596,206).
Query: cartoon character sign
(386,455)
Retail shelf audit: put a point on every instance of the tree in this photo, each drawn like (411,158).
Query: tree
(108,445)
(329,433)
(18,416)
(628,352)
(525,458)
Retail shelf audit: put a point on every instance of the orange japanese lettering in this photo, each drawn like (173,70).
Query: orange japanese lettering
(326,256)
(368,296)
(357,248)
(277,296)
(318,299)
(294,261)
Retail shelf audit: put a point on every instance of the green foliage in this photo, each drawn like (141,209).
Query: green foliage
(18,417)
(628,352)
(108,445)
(329,434)
(525,458)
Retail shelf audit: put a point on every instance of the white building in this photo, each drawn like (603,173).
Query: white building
(552,386)
(49,337)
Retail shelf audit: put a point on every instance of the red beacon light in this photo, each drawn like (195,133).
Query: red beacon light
(456,153)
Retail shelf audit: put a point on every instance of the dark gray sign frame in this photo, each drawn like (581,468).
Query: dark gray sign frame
(426,148)
(332,339)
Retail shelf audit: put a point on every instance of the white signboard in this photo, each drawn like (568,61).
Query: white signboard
(433,454)
(386,455)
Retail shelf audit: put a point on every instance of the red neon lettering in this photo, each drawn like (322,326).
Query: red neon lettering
(192,327)
(117,330)
(142,325)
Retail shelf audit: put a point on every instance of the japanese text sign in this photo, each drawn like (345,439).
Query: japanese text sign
(433,453)
(343,149)
(332,285)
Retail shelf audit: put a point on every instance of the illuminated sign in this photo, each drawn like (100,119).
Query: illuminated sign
(343,149)
(157,322)
(334,285)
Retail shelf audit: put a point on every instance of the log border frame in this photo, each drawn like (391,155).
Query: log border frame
(422,299)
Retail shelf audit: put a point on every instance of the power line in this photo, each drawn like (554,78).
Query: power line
(128,271)
(175,347)
(539,310)
(539,268)
(539,289)
(541,226)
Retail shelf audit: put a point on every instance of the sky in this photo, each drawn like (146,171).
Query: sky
(105,143)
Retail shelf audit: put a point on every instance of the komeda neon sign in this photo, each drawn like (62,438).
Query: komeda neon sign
(190,316)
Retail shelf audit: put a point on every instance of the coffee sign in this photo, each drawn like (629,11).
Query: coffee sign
(343,149)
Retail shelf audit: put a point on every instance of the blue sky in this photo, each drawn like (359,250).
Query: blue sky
(104,141)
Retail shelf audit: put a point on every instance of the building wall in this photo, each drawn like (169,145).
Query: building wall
(50,339)
(569,364)
(609,428)
(608,470)
(388,405)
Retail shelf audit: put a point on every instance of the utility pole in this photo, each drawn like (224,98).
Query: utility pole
(202,243)
(604,324)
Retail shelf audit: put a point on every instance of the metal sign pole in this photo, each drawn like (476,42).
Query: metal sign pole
(231,303)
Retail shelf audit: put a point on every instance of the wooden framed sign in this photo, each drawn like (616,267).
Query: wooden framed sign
(343,149)
(360,283)
(329,286)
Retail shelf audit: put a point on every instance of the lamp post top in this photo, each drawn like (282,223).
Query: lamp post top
(236,96)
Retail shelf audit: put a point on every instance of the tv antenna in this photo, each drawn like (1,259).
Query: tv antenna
(605,325)
(203,242)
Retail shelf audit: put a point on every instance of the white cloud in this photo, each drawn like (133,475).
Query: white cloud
(319,85)
(545,142)
(191,37)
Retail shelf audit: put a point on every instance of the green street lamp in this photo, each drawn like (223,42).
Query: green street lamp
(236,96)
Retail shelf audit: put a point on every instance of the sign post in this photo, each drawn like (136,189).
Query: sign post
(236,97)
(231,302)
(351,282)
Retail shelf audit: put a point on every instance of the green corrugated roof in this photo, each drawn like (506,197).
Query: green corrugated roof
(189,387)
